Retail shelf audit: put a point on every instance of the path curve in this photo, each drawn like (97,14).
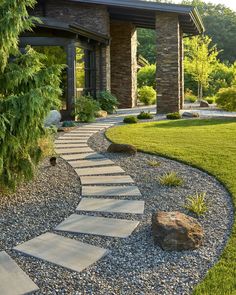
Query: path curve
(102,182)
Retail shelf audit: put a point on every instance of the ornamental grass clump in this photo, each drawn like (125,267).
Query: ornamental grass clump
(130,120)
(153,163)
(196,204)
(171,179)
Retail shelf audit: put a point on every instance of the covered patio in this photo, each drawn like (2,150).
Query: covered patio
(107,31)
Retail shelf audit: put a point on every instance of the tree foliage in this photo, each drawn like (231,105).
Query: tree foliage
(200,60)
(220,24)
(226,98)
(147,76)
(28,89)
(14,20)
(147,44)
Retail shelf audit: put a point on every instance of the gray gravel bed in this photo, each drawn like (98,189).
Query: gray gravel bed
(134,266)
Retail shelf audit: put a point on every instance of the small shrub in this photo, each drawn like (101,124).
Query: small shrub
(171,179)
(147,76)
(196,204)
(107,101)
(68,124)
(147,95)
(210,100)
(190,97)
(145,116)
(86,108)
(130,120)
(226,98)
(173,116)
(153,163)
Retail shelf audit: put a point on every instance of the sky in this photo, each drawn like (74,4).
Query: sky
(229,3)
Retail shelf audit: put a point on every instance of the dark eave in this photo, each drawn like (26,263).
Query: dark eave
(72,28)
(142,13)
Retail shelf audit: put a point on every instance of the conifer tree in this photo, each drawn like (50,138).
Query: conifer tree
(28,90)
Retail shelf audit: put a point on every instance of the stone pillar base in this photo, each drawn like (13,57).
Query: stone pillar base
(124,63)
(169,65)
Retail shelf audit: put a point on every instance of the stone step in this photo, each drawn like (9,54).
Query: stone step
(70,145)
(91,128)
(65,252)
(73,150)
(69,141)
(110,191)
(82,131)
(75,137)
(84,156)
(99,170)
(110,227)
(117,179)
(13,280)
(90,163)
(111,205)
(79,136)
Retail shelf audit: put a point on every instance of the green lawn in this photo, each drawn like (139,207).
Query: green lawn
(208,144)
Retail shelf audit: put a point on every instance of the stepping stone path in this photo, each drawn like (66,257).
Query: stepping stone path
(13,280)
(100,178)
(69,253)
(111,205)
(110,191)
(111,227)
(99,171)
(90,163)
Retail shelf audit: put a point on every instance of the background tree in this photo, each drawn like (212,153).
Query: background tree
(220,24)
(147,44)
(200,60)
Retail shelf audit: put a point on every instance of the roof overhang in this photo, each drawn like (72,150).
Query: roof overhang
(143,13)
(73,28)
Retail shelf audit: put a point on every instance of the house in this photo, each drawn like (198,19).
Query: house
(105,31)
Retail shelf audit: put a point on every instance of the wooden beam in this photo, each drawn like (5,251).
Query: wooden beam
(71,77)
(44,41)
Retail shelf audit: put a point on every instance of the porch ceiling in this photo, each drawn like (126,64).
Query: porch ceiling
(142,13)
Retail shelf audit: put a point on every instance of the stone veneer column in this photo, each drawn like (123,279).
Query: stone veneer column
(181,70)
(169,74)
(124,63)
(103,75)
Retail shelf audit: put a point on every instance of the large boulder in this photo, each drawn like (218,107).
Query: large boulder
(53,118)
(176,231)
(204,104)
(122,148)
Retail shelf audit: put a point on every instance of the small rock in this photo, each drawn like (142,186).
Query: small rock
(176,231)
(204,104)
(122,148)
(53,161)
(101,114)
(53,118)
(191,114)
